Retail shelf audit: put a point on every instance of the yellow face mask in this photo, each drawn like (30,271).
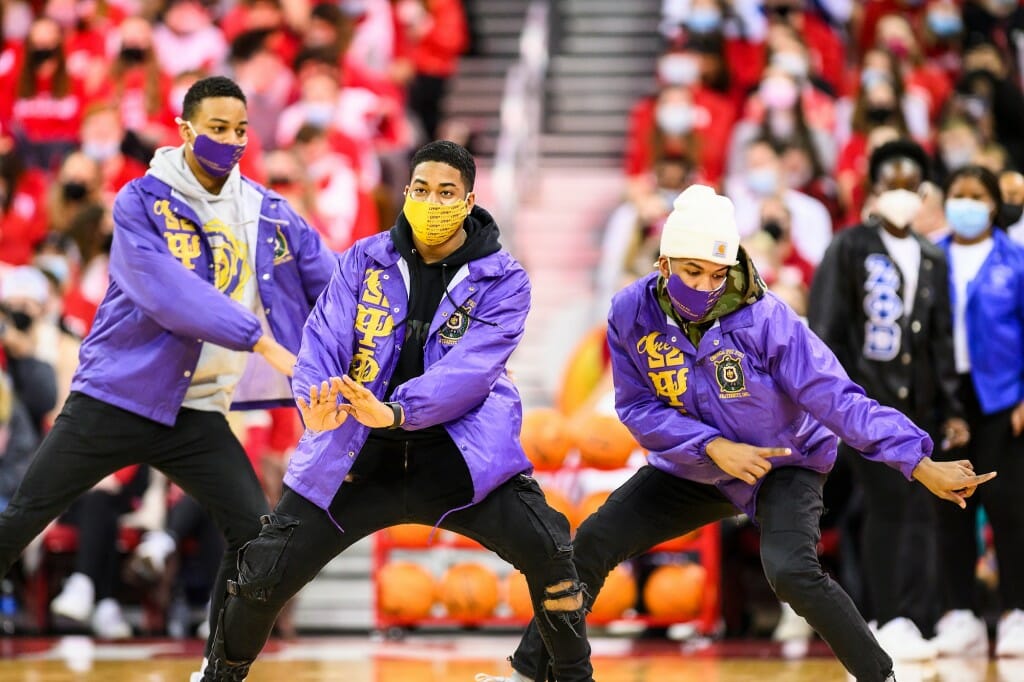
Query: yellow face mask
(434,224)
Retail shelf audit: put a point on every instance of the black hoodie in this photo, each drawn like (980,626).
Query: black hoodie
(428,286)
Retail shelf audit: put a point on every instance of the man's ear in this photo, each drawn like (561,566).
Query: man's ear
(184,131)
(470,201)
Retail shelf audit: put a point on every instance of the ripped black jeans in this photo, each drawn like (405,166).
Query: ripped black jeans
(654,506)
(393,482)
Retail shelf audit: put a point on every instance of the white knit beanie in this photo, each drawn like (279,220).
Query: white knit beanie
(702,225)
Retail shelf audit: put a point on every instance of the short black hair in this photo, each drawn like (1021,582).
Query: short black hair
(214,86)
(898,149)
(982,175)
(450,153)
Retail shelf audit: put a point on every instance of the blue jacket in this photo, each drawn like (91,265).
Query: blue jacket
(162,305)
(995,324)
(759,376)
(357,328)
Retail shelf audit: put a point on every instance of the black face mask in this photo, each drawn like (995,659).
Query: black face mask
(774,228)
(279,181)
(879,115)
(22,320)
(74,191)
(133,55)
(1009,214)
(41,54)
(781,12)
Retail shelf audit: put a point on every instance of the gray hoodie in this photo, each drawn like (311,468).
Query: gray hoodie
(230,222)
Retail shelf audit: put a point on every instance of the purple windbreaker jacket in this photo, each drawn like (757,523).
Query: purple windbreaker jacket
(357,328)
(760,377)
(161,303)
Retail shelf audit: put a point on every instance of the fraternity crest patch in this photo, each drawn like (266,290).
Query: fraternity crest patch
(282,254)
(456,324)
(729,374)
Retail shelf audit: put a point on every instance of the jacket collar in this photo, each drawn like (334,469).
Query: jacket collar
(380,248)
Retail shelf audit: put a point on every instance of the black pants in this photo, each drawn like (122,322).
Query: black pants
(898,544)
(394,482)
(96,515)
(653,506)
(993,447)
(91,439)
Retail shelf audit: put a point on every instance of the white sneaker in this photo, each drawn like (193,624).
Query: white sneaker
(791,626)
(484,677)
(150,558)
(960,633)
(76,599)
(1010,635)
(903,641)
(108,622)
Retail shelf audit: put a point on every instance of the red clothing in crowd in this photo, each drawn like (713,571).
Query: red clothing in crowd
(43,117)
(714,116)
(24,224)
(437,52)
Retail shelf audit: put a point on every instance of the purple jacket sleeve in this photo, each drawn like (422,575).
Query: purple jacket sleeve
(327,338)
(175,298)
(658,427)
(808,372)
(475,363)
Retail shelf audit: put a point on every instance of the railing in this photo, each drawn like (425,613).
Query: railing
(517,154)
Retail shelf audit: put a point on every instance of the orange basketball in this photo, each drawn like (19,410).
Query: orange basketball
(405,590)
(517,595)
(589,505)
(408,535)
(469,591)
(617,595)
(545,438)
(603,441)
(675,591)
(677,544)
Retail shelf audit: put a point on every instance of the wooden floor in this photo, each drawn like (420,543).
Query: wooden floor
(453,658)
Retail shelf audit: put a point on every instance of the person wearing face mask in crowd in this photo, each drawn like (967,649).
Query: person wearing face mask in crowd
(943,37)
(1011,211)
(776,112)
(44,107)
(763,180)
(101,138)
(737,403)
(677,121)
(76,191)
(895,35)
(138,86)
(1001,23)
(244,270)
(880,301)
(402,386)
(987,294)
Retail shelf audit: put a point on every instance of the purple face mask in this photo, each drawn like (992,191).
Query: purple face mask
(215,158)
(691,303)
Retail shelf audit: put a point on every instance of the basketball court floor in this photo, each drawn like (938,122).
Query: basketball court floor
(456,658)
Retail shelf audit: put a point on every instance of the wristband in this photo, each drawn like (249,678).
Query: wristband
(397,409)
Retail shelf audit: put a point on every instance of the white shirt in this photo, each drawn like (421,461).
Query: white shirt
(906,253)
(810,223)
(965,261)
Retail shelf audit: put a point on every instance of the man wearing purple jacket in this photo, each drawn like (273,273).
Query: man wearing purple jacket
(411,418)
(739,405)
(206,267)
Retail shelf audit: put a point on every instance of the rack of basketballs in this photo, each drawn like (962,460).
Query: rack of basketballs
(437,578)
